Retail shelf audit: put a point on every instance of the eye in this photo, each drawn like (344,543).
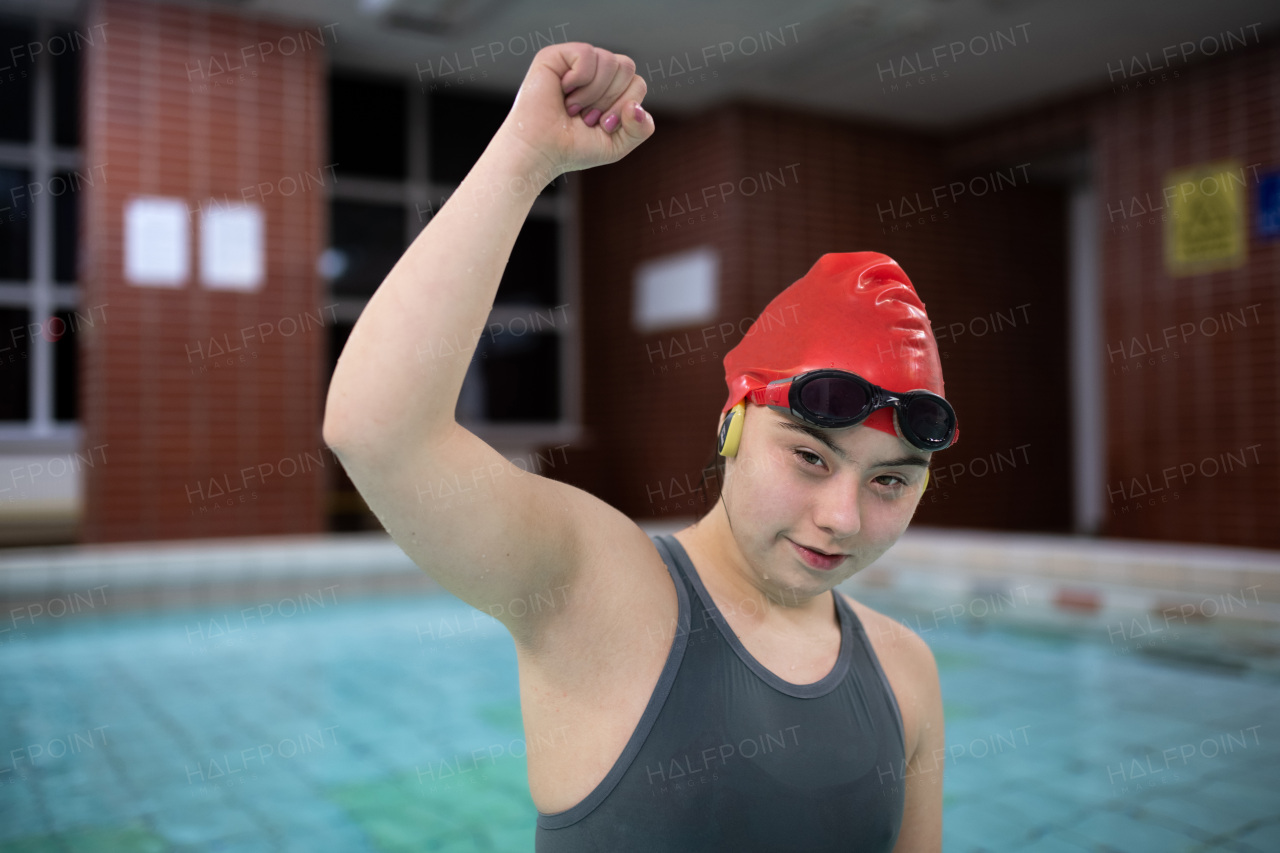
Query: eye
(809,458)
(894,480)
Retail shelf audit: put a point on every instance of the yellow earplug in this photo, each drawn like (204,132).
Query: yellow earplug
(731,430)
(926,480)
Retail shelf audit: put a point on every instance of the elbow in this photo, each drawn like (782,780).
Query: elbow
(332,430)
(353,443)
(339,430)
(346,434)
(339,427)
(330,434)
(365,439)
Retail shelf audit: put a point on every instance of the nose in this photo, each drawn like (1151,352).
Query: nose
(838,510)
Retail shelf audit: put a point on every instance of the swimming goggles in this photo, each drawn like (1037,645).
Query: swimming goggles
(835,398)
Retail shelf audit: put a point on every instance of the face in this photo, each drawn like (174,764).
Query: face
(792,498)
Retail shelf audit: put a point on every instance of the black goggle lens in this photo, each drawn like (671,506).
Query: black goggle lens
(928,419)
(833,397)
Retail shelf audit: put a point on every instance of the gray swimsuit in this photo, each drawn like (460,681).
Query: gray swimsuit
(728,756)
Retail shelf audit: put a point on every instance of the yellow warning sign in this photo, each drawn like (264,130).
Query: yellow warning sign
(1206,230)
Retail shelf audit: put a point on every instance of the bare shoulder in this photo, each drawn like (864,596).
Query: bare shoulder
(891,638)
(909,664)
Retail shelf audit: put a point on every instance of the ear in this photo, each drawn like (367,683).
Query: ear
(731,429)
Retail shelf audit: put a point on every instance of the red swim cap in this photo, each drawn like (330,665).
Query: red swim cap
(854,311)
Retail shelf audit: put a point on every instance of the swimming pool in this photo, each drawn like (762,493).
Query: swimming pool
(327,723)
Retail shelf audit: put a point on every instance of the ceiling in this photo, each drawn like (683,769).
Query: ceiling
(836,56)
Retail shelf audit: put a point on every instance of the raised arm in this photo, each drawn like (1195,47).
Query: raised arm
(391,386)
(389,415)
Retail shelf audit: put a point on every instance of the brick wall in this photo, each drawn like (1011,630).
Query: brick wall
(1192,427)
(202,438)
(832,186)
(1000,260)
(1220,398)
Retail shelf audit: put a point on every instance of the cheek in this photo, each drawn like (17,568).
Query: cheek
(767,490)
(886,519)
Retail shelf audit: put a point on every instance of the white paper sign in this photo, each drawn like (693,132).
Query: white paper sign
(678,290)
(157,251)
(231,247)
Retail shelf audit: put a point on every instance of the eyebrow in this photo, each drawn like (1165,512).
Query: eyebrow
(821,436)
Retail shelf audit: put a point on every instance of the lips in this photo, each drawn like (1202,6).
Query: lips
(817,559)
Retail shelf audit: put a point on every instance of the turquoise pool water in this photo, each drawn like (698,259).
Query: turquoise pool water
(394,725)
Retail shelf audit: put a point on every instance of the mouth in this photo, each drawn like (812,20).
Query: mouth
(816,559)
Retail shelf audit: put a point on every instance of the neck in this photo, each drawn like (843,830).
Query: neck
(730,577)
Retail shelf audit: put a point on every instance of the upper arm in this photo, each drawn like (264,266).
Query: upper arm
(921,830)
(504,540)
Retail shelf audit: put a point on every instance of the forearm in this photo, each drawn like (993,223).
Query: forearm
(401,371)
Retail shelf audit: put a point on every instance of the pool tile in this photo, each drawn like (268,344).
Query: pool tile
(995,822)
(1124,832)
(1247,802)
(1054,842)
(1201,810)
(315,829)
(1088,791)
(242,843)
(201,826)
(128,839)
(1264,837)
(960,840)
(33,844)
(1038,809)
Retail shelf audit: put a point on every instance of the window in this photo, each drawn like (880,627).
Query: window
(517,377)
(66,97)
(15,236)
(369,239)
(19,84)
(367,128)
(41,174)
(15,378)
(398,154)
(460,128)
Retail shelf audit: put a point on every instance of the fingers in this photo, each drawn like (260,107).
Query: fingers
(623,74)
(613,74)
(580,59)
(627,113)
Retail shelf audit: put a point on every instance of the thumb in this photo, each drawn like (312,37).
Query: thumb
(637,124)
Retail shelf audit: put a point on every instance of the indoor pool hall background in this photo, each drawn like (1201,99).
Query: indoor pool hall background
(249,301)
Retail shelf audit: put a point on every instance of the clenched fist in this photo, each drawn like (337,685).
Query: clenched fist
(579,106)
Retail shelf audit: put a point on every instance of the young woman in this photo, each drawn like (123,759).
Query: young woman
(707,691)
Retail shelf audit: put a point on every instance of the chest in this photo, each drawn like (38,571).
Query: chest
(796,659)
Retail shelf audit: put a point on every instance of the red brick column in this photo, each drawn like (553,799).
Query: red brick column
(207,403)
